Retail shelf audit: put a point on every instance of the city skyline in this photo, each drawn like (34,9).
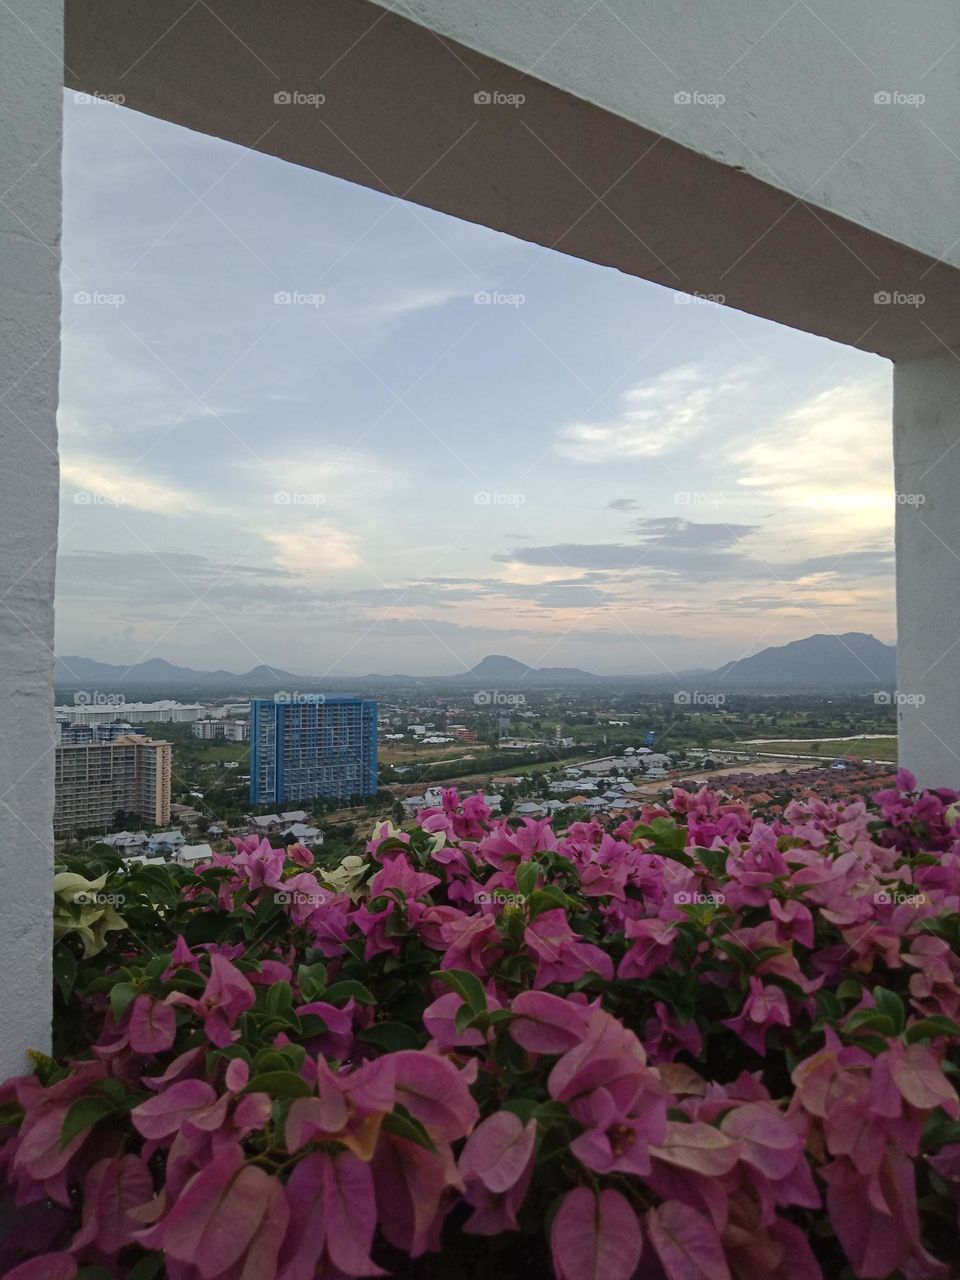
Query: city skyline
(603,474)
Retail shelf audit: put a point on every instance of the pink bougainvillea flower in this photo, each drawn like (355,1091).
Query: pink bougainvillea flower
(545,1023)
(46,1266)
(193,1101)
(665,1035)
(473,943)
(651,947)
(333,1215)
(226,995)
(496,1165)
(153,1025)
(764,1007)
(111,1189)
(434,1092)
(228,1212)
(595,1236)
(687,1243)
(561,955)
(414,1192)
(617,1139)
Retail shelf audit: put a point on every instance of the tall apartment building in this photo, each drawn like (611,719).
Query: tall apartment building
(312,747)
(93,780)
(221,730)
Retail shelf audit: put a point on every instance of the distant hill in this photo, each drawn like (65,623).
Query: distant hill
(157,673)
(854,659)
(497,669)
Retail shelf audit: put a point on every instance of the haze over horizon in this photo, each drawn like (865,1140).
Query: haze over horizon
(402,479)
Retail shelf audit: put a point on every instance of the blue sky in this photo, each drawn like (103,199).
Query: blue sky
(306,424)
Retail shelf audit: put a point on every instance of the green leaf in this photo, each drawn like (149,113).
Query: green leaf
(927,1028)
(467,986)
(341,992)
(82,1114)
(121,995)
(526,877)
(64,970)
(401,1123)
(149,1268)
(279,998)
(95,1273)
(850,989)
(869,1020)
(392,1036)
(890,1004)
(279,1084)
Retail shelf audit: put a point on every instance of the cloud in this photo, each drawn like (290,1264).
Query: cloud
(315,550)
(831,457)
(123,487)
(658,416)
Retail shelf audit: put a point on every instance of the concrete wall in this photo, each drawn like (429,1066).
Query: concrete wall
(798,83)
(30,131)
(926,434)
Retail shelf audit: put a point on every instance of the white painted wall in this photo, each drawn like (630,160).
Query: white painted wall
(926,420)
(30,129)
(798,80)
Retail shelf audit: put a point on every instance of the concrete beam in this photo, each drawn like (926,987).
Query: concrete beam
(400,115)
(30,131)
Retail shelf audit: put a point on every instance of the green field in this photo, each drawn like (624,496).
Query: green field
(831,748)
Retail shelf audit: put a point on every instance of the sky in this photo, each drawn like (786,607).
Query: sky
(309,425)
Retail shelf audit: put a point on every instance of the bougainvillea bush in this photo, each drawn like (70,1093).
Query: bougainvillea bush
(701,1045)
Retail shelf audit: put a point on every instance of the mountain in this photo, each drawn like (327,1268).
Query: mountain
(854,659)
(157,673)
(499,670)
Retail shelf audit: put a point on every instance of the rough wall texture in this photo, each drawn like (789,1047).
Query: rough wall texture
(30,132)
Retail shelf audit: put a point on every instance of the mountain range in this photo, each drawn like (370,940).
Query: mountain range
(817,662)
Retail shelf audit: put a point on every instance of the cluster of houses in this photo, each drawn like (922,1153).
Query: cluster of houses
(172,846)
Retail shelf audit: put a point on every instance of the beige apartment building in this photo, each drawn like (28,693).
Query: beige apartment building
(95,779)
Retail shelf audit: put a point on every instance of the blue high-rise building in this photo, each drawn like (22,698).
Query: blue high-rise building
(312,747)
